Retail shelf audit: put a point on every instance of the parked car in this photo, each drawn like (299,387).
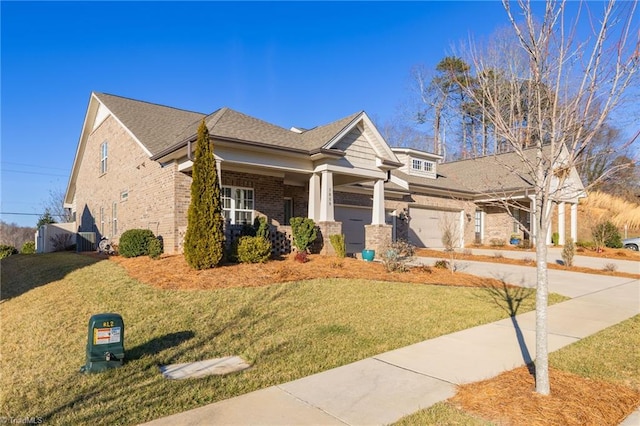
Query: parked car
(631,243)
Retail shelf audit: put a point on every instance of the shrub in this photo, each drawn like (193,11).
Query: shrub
(253,249)
(204,239)
(304,232)
(396,256)
(498,255)
(586,244)
(338,244)
(524,244)
(261,227)
(610,267)
(6,251)
(61,242)
(555,238)
(155,248)
(568,251)
(606,234)
(497,242)
(28,248)
(135,242)
(441,264)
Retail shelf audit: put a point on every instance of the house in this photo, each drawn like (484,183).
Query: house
(133,164)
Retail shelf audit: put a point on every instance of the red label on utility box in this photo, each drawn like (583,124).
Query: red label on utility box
(104,336)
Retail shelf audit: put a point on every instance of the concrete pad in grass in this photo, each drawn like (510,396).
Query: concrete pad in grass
(193,370)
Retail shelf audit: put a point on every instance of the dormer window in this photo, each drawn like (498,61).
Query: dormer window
(422,165)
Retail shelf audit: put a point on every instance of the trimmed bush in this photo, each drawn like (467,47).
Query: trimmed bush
(253,249)
(338,244)
(555,239)
(6,251)
(28,248)
(304,232)
(135,242)
(568,252)
(155,248)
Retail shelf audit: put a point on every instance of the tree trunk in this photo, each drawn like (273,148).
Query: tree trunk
(542,296)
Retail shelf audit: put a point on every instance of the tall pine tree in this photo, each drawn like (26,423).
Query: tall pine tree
(204,240)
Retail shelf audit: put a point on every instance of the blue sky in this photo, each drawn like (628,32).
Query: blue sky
(289,63)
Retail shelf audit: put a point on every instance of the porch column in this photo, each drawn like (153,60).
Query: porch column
(378,203)
(561,224)
(574,222)
(532,222)
(314,197)
(326,197)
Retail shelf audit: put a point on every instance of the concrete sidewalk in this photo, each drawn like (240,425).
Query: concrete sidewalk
(384,388)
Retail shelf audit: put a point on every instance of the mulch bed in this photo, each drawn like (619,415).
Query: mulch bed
(173,272)
(510,399)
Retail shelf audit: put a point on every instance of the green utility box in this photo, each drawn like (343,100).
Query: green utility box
(105,343)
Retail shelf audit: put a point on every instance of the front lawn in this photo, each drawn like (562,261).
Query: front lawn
(286,331)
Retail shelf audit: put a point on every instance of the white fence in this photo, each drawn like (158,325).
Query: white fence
(51,236)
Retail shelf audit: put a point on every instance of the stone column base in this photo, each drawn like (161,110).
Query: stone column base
(377,237)
(322,244)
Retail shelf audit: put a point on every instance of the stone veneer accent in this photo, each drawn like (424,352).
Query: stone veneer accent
(377,237)
(322,242)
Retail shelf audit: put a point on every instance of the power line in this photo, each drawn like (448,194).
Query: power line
(30,214)
(33,173)
(33,165)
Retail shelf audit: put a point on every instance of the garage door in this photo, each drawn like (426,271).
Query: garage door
(353,221)
(427,226)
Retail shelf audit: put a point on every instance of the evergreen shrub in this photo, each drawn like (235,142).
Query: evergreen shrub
(6,251)
(135,242)
(28,248)
(155,248)
(304,232)
(253,249)
(339,245)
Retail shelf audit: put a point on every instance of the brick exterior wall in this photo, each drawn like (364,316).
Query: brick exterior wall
(147,184)
(322,243)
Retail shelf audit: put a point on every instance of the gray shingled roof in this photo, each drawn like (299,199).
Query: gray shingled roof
(485,175)
(159,127)
(155,126)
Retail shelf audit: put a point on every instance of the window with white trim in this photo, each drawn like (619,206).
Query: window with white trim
(422,165)
(104,151)
(237,205)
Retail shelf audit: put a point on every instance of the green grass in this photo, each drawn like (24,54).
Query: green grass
(286,331)
(611,355)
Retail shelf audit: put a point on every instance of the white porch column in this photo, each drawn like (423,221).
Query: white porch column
(326,197)
(532,222)
(377,217)
(314,197)
(574,222)
(561,223)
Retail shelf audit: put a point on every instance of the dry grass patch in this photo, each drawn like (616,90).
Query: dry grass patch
(510,397)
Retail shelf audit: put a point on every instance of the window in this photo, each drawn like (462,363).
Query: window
(115,219)
(124,195)
(422,165)
(103,157)
(237,205)
(288,210)
(516,220)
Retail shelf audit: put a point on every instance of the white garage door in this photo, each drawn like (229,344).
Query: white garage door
(353,221)
(427,226)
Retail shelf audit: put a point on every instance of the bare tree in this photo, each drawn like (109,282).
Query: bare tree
(55,206)
(549,107)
